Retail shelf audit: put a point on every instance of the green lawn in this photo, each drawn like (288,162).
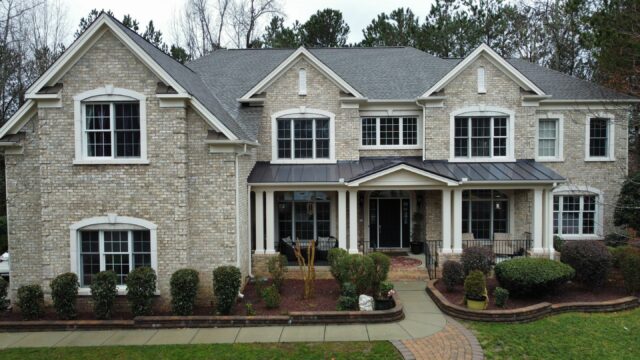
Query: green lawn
(343,350)
(567,336)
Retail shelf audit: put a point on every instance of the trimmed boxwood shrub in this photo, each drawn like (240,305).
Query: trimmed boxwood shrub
(630,268)
(500,295)
(141,287)
(381,265)
(591,260)
(452,274)
(64,291)
(226,285)
(277,267)
(333,258)
(474,285)
(348,299)
(184,288)
(103,293)
(532,276)
(4,291)
(271,296)
(356,269)
(31,301)
(476,258)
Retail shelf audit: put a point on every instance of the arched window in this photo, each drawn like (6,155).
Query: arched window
(110,127)
(116,243)
(577,212)
(303,135)
(482,133)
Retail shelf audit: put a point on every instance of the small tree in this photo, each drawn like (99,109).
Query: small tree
(307,268)
(627,211)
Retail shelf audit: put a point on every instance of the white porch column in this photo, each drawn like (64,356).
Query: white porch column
(260,222)
(457,221)
(537,228)
(446,221)
(270,224)
(342,219)
(353,221)
(548,223)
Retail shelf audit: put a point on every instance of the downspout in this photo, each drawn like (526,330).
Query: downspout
(424,124)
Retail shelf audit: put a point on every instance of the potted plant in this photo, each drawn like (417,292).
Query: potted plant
(417,233)
(475,291)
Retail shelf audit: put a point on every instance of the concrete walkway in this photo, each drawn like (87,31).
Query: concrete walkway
(422,320)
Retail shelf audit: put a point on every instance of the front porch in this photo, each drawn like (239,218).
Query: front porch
(387,208)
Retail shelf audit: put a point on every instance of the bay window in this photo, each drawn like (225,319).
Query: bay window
(389,131)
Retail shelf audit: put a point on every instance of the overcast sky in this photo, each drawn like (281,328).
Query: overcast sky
(358,13)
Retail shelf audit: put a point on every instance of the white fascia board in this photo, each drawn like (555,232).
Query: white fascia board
(15,123)
(211,119)
(84,42)
(286,64)
(591,101)
(496,59)
(405,167)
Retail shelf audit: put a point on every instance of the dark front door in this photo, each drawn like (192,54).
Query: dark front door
(390,222)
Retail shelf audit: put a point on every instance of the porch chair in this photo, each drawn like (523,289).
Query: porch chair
(503,245)
(466,238)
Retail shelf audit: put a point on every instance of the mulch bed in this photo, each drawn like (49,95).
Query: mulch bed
(570,292)
(404,262)
(325,299)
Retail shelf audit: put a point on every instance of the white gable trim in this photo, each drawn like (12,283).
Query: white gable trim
(301,52)
(21,117)
(403,167)
(496,60)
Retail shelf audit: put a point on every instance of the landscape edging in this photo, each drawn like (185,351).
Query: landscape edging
(529,313)
(198,321)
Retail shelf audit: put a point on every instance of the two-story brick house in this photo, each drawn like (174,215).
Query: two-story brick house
(123,157)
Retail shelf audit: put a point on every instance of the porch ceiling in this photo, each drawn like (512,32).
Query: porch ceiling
(351,171)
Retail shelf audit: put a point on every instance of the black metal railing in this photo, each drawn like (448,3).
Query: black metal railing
(502,249)
(322,246)
(431,250)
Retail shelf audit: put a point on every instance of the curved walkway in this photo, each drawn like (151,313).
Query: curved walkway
(425,333)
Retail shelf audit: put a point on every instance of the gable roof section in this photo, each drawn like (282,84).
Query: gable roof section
(182,79)
(496,60)
(301,52)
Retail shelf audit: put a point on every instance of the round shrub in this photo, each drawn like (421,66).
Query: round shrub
(4,291)
(271,296)
(31,301)
(501,295)
(277,267)
(226,285)
(452,274)
(333,258)
(591,260)
(64,291)
(476,258)
(557,243)
(532,276)
(141,287)
(630,268)
(381,265)
(475,285)
(184,287)
(356,269)
(103,293)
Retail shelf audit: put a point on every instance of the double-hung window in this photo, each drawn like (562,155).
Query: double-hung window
(303,138)
(599,139)
(112,130)
(548,138)
(389,131)
(481,137)
(574,214)
(117,250)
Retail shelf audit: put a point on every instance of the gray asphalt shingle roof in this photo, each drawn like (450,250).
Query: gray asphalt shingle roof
(348,171)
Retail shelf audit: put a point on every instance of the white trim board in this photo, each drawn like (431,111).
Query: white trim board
(496,60)
(301,52)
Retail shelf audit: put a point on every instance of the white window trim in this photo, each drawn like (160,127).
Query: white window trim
(107,93)
(109,222)
(400,146)
(559,137)
(483,110)
(611,155)
(302,113)
(577,190)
